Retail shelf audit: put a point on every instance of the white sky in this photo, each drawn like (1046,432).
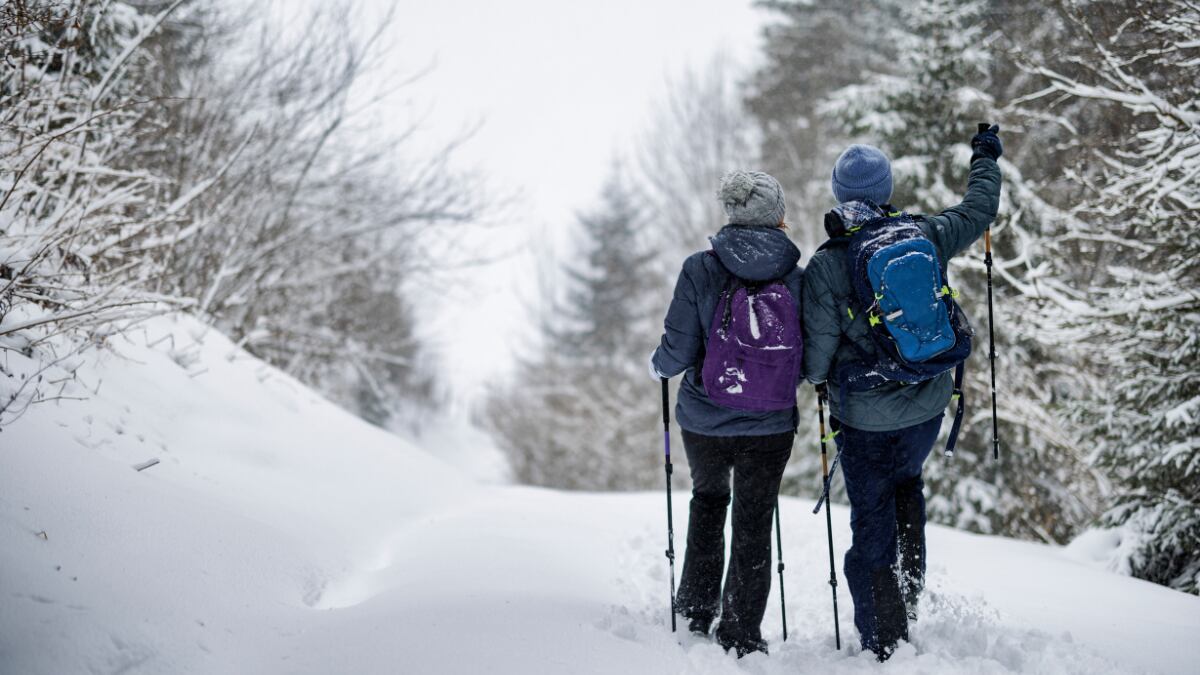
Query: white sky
(559,88)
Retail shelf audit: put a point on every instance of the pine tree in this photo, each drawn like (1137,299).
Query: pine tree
(603,315)
(581,414)
(1135,312)
(814,48)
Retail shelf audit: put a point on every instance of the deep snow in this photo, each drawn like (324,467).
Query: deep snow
(278,534)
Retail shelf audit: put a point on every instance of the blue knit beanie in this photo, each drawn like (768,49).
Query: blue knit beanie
(862,172)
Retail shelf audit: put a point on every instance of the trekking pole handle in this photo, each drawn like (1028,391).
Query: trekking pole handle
(666,396)
(984,126)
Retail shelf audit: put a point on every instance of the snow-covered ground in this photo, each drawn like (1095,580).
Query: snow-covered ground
(278,534)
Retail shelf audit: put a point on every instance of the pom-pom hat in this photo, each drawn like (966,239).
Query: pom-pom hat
(752,198)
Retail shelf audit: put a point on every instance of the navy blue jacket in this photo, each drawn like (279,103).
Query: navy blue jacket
(753,254)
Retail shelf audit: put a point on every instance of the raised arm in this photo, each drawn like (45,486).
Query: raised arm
(956,228)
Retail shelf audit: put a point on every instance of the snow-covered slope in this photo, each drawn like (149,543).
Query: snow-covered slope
(279,534)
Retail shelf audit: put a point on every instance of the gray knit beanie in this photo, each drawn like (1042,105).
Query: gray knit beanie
(752,198)
(862,172)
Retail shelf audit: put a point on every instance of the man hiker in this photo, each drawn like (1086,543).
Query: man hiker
(885,426)
(733,329)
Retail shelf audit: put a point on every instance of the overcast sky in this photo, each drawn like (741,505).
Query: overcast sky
(557,89)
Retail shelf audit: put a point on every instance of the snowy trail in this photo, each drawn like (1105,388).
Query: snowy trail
(523,577)
(279,534)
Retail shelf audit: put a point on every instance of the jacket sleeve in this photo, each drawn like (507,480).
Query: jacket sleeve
(955,229)
(682,337)
(822,325)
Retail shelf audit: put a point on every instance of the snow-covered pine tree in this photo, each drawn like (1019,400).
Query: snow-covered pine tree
(1133,252)
(922,113)
(603,320)
(811,49)
(582,413)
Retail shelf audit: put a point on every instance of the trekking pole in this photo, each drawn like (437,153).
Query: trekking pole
(779,547)
(666,400)
(837,631)
(987,261)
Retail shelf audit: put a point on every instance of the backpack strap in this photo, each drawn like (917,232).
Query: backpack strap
(959,371)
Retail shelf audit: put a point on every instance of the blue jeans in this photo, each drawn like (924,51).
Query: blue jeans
(885,566)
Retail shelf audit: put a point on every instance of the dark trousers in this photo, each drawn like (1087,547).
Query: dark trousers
(885,566)
(757,464)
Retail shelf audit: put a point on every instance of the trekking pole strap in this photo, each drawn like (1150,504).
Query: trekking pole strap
(828,481)
(828,478)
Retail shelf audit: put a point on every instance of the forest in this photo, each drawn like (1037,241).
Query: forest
(162,156)
(1097,278)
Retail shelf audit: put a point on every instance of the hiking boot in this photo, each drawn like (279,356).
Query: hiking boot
(911,602)
(700,625)
(741,645)
(884,652)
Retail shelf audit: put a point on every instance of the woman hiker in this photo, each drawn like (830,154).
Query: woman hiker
(733,330)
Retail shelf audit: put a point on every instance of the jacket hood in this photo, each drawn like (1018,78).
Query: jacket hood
(755,253)
(850,215)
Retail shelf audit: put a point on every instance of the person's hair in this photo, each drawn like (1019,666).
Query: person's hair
(782,225)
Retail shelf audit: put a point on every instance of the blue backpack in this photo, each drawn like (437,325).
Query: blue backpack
(900,289)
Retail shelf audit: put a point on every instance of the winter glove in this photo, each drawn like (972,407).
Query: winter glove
(654,371)
(987,143)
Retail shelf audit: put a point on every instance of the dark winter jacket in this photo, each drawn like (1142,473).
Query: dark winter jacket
(754,254)
(829,329)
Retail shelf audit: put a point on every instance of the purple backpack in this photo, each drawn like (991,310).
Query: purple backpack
(752,357)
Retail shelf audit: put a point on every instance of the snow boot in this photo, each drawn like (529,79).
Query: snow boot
(741,645)
(891,617)
(910,530)
(700,625)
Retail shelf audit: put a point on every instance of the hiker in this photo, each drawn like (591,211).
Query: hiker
(885,421)
(736,415)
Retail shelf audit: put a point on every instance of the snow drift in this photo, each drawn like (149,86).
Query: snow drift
(279,534)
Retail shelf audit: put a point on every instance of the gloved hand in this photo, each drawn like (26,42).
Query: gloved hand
(822,391)
(987,143)
(654,371)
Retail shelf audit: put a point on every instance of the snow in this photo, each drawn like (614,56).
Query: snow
(278,534)
(754,330)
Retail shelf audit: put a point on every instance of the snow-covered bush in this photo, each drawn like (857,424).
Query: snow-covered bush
(163,154)
(80,223)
